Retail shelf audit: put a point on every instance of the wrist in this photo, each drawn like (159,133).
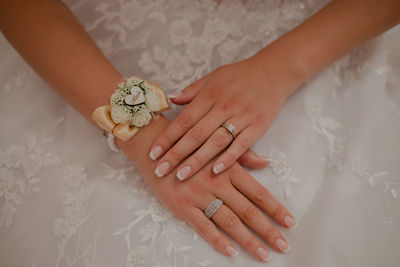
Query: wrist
(280,70)
(138,147)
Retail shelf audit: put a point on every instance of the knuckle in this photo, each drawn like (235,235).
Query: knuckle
(185,120)
(229,157)
(278,212)
(196,160)
(220,140)
(166,140)
(198,134)
(173,156)
(261,194)
(270,234)
(250,243)
(250,213)
(260,118)
(243,143)
(211,94)
(231,221)
(230,104)
(218,241)
(204,227)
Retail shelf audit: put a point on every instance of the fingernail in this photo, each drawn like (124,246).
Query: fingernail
(264,254)
(156,152)
(175,95)
(231,251)
(217,169)
(290,222)
(263,158)
(162,169)
(183,173)
(282,245)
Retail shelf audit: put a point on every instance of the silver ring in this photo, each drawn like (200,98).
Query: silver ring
(230,128)
(213,207)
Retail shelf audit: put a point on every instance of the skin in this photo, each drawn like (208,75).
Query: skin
(69,61)
(249,94)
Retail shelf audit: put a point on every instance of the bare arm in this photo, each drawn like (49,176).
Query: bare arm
(270,77)
(337,29)
(52,41)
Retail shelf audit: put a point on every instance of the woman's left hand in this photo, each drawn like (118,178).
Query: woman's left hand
(244,95)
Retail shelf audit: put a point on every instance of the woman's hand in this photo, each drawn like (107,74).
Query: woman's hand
(244,94)
(241,193)
(244,200)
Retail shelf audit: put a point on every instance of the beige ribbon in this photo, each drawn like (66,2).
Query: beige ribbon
(102,116)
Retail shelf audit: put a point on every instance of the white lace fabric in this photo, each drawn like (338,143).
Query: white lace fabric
(333,149)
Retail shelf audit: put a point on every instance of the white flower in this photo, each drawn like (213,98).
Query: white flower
(215,31)
(160,53)
(178,66)
(6,181)
(152,101)
(74,176)
(141,118)
(198,50)
(293,10)
(147,63)
(132,14)
(179,31)
(61,228)
(228,50)
(120,114)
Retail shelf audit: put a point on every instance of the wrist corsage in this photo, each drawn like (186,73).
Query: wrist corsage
(133,104)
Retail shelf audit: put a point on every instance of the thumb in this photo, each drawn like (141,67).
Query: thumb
(252,160)
(186,95)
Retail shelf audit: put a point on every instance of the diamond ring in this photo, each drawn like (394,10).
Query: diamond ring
(230,128)
(213,207)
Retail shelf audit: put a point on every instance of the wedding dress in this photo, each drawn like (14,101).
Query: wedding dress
(67,200)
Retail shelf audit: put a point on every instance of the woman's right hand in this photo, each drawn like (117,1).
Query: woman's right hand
(244,199)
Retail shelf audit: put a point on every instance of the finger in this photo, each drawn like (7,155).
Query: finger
(186,95)
(262,197)
(254,218)
(194,138)
(217,142)
(179,126)
(252,160)
(231,224)
(209,232)
(241,143)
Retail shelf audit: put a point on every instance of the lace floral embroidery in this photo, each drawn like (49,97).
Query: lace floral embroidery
(326,127)
(378,180)
(283,164)
(19,167)
(204,30)
(15,82)
(149,224)
(75,216)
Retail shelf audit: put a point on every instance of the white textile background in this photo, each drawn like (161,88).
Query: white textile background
(66,200)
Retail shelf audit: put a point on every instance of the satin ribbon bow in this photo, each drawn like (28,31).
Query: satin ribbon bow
(124,131)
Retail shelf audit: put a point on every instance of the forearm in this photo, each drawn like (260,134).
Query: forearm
(51,40)
(48,36)
(333,32)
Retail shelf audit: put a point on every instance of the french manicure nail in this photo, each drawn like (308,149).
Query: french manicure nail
(156,152)
(282,245)
(162,169)
(217,169)
(264,254)
(183,173)
(175,95)
(263,158)
(290,222)
(232,251)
